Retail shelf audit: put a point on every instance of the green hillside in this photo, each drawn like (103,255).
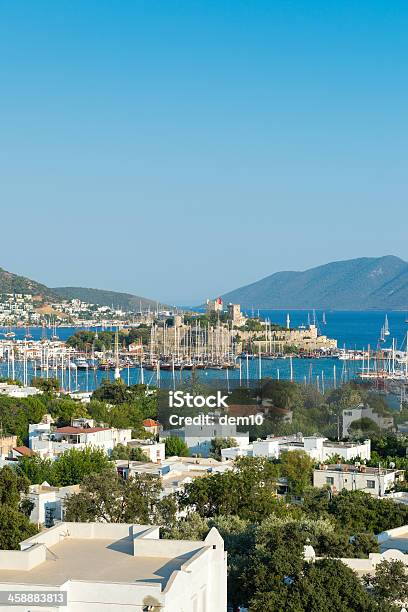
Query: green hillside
(126,301)
(13,283)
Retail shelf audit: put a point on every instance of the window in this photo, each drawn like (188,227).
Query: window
(330,480)
(370,484)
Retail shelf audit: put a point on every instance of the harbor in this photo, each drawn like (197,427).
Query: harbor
(176,350)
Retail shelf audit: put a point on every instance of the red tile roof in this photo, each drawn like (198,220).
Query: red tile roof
(244,409)
(79,430)
(150,423)
(24,450)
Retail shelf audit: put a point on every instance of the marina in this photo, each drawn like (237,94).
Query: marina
(209,353)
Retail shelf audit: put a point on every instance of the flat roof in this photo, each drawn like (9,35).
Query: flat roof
(399,542)
(70,429)
(346,467)
(99,560)
(343,444)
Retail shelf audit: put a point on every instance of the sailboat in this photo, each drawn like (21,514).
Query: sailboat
(28,335)
(382,335)
(386,327)
(54,331)
(324,319)
(10,333)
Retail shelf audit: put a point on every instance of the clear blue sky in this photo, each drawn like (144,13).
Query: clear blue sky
(180,149)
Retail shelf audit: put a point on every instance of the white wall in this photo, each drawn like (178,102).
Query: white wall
(200,585)
(354,481)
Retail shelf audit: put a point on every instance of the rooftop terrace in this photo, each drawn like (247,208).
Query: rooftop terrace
(96,552)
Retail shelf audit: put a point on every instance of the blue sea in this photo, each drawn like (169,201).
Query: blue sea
(351,329)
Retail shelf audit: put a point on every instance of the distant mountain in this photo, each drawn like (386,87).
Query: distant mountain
(13,283)
(126,301)
(368,283)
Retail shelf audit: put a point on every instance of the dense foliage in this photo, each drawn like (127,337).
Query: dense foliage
(113,403)
(176,447)
(313,411)
(120,451)
(14,522)
(70,468)
(87,341)
(265,535)
(107,497)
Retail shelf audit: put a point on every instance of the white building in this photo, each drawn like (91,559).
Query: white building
(198,437)
(394,539)
(373,480)
(399,497)
(49,442)
(119,568)
(48,502)
(18,391)
(318,448)
(364,412)
(174,472)
(154,451)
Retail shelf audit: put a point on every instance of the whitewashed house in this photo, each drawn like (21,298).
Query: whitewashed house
(48,502)
(51,442)
(373,480)
(119,568)
(317,447)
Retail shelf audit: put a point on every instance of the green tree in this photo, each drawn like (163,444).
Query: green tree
(107,497)
(69,468)
(359,512)
(14,527)
(330,586)
(176,447)
(47,385)
(120,451)
(389,584)
(73,465)
(281,393)
(36,469)
(12,485)
(279,579)
(16,414)
(14,523)
(364,427)
(297,467)
(64,410)
(248,492)
(190,527)
(98,410)
(217,444)
(112,391)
